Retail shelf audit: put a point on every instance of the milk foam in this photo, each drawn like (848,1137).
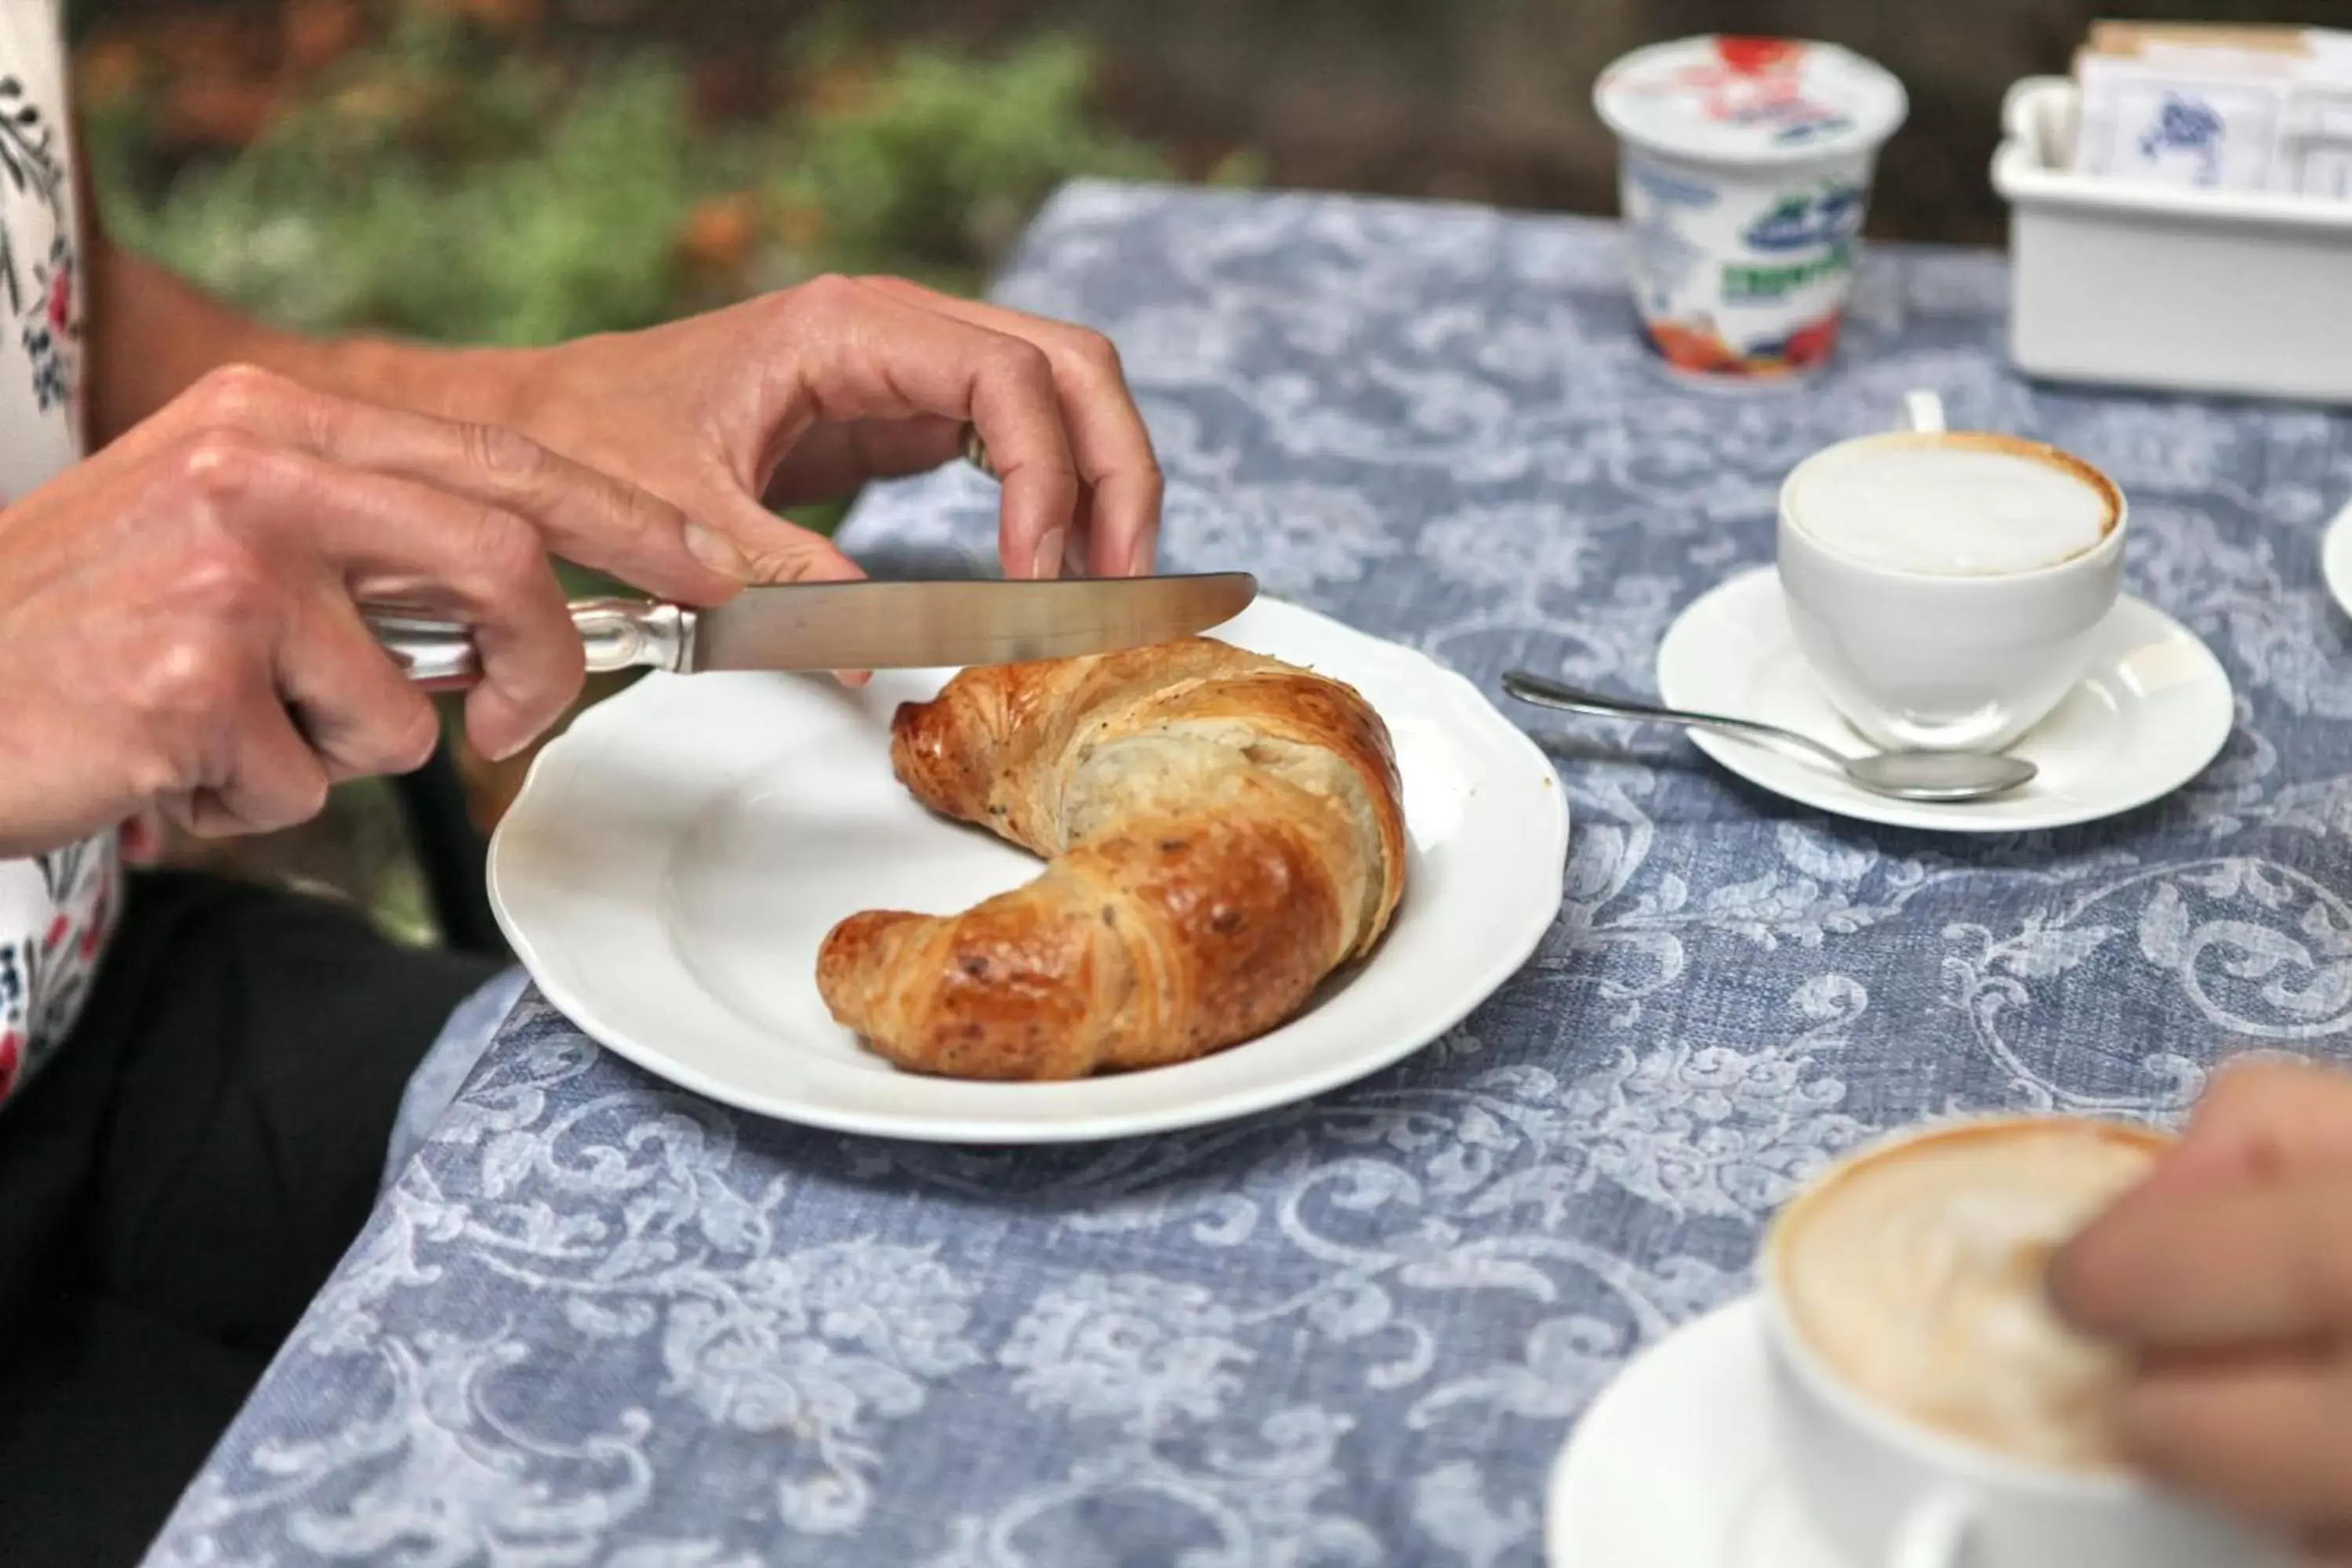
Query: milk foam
(1917,1276)
(1950,509)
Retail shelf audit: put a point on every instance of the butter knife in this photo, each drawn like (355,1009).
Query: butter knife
(852,625)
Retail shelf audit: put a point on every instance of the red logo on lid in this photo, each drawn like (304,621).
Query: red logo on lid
(1756,57)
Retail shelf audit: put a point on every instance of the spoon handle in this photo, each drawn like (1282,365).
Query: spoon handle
(1529,687)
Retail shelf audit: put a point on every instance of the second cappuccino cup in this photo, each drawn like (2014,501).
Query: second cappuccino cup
(1947,588)
(1930,1409)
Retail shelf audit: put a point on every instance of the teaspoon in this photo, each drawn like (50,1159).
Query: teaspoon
(1940,776)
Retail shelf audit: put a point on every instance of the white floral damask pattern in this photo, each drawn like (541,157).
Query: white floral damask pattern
(599,1321)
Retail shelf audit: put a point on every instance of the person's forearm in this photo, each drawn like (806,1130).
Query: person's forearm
(152,335)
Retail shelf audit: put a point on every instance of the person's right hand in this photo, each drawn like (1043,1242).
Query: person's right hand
(2228,1276)
(179,626)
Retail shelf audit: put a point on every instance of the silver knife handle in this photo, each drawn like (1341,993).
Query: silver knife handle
(626,633)
(617,634)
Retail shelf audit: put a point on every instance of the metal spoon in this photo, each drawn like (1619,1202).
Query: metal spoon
(1940,777)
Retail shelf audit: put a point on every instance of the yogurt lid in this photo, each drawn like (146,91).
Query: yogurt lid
(1749,100)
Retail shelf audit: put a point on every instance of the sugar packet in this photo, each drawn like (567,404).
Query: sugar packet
(2217,107)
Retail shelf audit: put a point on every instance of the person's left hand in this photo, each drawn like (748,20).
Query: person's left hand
(805,394)
(2227,1275)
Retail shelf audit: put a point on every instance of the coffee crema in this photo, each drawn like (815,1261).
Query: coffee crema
(1916,1275)
(1953,505)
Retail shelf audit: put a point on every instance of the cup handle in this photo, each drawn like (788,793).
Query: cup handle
(1923,412)
(1934,1535)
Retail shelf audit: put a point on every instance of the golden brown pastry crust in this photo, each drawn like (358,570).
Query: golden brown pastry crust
(1224,830)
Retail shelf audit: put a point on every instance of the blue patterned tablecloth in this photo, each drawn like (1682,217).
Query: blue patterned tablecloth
(601,1321)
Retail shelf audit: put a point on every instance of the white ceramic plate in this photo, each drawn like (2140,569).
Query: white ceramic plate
(2154,709)
(675,858)
(1673,1466)
(2335,558)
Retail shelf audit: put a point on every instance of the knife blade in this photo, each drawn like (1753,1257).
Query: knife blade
(853,626)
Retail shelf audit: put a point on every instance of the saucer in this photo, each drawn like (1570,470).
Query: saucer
(2154,709)
(1672,1468)
(2335,558)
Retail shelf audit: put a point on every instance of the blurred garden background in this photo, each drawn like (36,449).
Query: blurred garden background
(517,171)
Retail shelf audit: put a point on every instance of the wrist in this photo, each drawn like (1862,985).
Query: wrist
(473,386)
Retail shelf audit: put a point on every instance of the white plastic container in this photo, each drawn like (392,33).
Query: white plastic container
(1745,167)
(2245,293)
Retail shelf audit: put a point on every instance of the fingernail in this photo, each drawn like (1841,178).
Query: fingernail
(718,551)
(1047,561)
(1139,559)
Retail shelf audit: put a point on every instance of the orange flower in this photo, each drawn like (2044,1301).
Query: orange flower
(719,233)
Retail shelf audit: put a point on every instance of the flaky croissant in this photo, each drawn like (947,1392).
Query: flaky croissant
(1224,831)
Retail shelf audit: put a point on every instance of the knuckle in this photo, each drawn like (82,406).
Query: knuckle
(216,465)
(1020,360)
(643,516)
(507,549)
(223,582)
(502,452)
(236,393)
(823,295)
(188,685)
(1098,354)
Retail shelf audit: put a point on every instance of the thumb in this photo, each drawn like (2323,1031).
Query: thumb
(778,550)
(774,548)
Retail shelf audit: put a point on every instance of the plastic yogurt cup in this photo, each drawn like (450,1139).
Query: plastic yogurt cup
(1745,168)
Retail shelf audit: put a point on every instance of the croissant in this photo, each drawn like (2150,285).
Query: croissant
(1224,830)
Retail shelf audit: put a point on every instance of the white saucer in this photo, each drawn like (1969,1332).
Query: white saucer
(2154,709)
(1672,1467)
(2335,558)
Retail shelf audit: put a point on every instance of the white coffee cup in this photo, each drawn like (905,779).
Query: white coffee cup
(1924,592)
(1886,1490)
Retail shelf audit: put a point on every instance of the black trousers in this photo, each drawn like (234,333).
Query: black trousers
(176,1185)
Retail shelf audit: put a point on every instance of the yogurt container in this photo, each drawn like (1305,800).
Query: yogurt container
(1745,168)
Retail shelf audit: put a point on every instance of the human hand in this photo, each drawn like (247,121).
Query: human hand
(805,394)
(2228,1275)
(178,615)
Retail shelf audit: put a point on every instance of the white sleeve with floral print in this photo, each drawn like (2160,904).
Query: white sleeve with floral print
(54,912)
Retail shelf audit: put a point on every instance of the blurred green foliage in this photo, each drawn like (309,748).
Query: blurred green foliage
(450,186)
(930,163)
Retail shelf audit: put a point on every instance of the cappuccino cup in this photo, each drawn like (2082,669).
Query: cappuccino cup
(1947,587)
(1930,1408)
